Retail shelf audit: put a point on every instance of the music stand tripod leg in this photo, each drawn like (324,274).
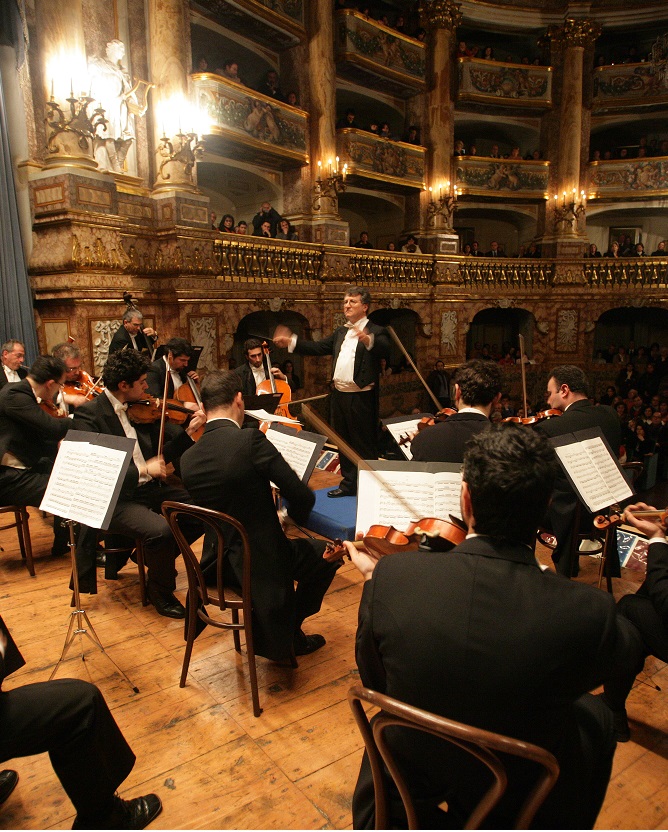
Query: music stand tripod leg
(80,624)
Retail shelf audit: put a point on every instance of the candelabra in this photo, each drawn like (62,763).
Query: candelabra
(71,135)
(330,186)
(443,207)
(567,215)
(179,156)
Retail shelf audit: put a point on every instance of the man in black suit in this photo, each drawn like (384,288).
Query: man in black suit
(178,353)
(231,470)
(137,513)
(465,634)
(29,439)
(12,356)
(647,610)
(132,334)
(70,720)
(477,389)
(253,372)
(357,348)
(567,391)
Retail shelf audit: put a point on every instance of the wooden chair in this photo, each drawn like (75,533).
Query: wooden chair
(136,546)
(22,532)
(224,598)
(479,743)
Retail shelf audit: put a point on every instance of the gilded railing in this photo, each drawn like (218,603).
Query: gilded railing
(629,177)
(250,119)
(480,272)
(494,82)
(506,177)
(380,267)
(608,272)
(254,259)
(375,48)
(633,84)
(381,159)
(293,9)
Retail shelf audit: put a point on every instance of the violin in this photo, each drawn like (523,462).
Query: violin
(149,410)
(427,422)
(50,407)
(532,420)
(615,517)
(85,385)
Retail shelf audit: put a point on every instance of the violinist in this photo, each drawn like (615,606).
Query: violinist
(178,353)
(477,389)
(29,439)
(646,610)
(12,356)
(253,372)
(568,391)
(75,377)
(480,634)
(137,513)
(132,334)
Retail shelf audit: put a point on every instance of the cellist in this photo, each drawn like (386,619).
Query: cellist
(253,372)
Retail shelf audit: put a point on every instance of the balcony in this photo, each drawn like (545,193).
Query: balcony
(380,163)
(509,178)
(630,85)
(631,179)
(514,85)
(480,273)
(257,260)
(373,55)
(608,273)
(275,24)
(246,125)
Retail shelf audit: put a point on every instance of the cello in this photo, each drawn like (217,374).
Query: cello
(275,385)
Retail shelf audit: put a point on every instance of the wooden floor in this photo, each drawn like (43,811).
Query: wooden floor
(200,748)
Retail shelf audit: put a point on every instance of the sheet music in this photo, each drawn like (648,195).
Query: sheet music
(447,489)
(586,477)
(615,480)
(82,482)
(400,429)
(297,452)
(263,416)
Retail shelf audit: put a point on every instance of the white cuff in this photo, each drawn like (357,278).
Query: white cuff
(371,337)
(293,342)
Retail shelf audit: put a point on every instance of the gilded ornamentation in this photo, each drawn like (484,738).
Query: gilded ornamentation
(608,177)
(374,268)
(367,154)
(576,31)
(374,42)
(486,175)
(440,14)
(568,277)
(567,330)
(203,333)
(97,256)
(252,258)
(478,272)
(449,332)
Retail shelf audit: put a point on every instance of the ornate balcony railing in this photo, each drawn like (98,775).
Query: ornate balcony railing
(368,51)
(629,177)
(381,160)
(258,260)
(630,84)
(494,82)
(506,177)
(478,272)
(389,267)
(276,24)
(608,272)
(250,126)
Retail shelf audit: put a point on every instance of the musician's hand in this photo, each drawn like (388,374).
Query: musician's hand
(282,336)
(364,336)
(74,400)
(190,406)
(198,421)
(3,643)
(193,375)
(156,468)
(150,332)
(649,526)
(276,371)
(364,562)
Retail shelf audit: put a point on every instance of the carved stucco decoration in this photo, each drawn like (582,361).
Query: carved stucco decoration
(440,14)
(102,333)
(543,327)
(449,332)
(576,32)
(504,303)
(444,274)
(336,267)
(203,333)
(98,254)
(184,257)
(274,304)
(566,277)
(567,330)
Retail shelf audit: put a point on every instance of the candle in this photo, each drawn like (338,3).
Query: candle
(71,88)
(52,90)
(337,165)
(564,200)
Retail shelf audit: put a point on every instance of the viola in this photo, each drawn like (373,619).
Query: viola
(149,410)
(50,407)
(85,385)
(439,534)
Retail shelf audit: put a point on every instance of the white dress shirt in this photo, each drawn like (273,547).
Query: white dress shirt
(12,375)
(137,456)
(177,381)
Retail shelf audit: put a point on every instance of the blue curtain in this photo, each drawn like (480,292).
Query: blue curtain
(16,311)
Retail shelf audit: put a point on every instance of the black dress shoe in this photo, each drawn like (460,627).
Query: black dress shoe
(8,781)
(308,644)
(126,814)
(340,492)
(167,604)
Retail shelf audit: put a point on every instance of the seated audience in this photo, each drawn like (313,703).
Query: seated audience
(411,245)
(286,231)
(363,241)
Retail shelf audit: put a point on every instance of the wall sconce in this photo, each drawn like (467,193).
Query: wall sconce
(441,211)
(179,156)
(70,136)
(567,215)
(330,186)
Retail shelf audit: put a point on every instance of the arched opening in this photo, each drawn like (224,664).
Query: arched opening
(499,331)
(263,324)
(510,228)
(382,215)
(405,323)
(625,325)
(234,188)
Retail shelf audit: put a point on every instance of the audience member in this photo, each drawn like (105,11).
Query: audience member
(363,241)
(227,224)
(266,214)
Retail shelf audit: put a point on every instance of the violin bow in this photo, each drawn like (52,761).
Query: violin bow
(405,352)
(524,376)
(163,414)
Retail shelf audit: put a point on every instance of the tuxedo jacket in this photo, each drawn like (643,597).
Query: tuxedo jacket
(655,585)
(12,660)
(121,339)
(155,378)
(367,362)
(230,470)
(98,416)
(3,377)
(26,431)
(482,635)
(248,385)
(446,441)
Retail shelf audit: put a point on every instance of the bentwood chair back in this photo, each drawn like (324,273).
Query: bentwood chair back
(22,531)
(200,596)
(480,744)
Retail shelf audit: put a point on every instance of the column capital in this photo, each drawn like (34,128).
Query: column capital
(440,14)
(576,32)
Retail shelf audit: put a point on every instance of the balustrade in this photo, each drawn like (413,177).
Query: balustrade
(381,160)
(630,85)
(520,178)
(478,272)
(496,82)
(259,259)
(647,176)
(608,272)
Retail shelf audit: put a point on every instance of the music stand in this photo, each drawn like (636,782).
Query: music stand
(84,487)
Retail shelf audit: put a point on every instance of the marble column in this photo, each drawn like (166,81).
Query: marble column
(440,18)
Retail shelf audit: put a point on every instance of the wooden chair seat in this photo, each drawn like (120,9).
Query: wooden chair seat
(20,523)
